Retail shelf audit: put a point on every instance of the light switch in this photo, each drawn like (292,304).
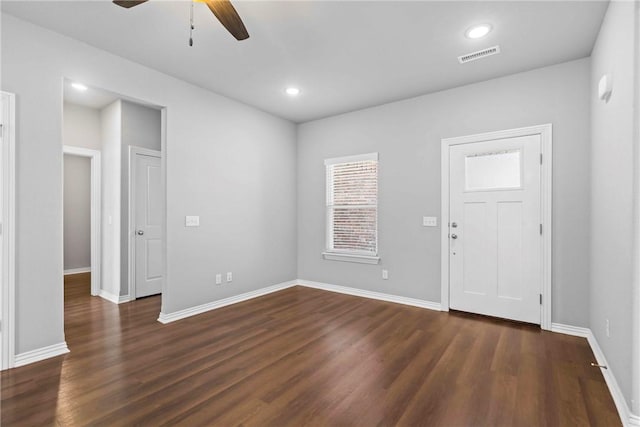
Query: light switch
(192,221)
(429,221)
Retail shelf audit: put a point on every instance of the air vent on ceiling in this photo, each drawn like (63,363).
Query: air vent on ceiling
(479,54)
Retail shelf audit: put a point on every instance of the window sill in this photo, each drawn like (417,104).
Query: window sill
(362,259)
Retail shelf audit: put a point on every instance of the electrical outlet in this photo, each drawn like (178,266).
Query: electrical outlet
(229,276)
(385,274)
(218,279)
(607,328)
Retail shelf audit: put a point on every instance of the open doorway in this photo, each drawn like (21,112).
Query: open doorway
(107,128)
(82,201)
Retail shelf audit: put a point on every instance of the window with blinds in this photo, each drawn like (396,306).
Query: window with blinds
(352,205)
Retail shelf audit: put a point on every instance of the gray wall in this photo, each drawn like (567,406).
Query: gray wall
(81,126)
(407,135)
(141,127)
(77,212)
(229,163)
(612,149)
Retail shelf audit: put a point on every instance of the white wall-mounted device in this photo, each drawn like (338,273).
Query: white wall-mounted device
(192,221)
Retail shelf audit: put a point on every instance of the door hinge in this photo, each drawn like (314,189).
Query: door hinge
(540,299)
(540,158)
(541,229)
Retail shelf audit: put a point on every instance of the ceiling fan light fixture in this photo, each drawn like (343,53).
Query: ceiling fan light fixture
(292,91)
(478,31)
(79,86)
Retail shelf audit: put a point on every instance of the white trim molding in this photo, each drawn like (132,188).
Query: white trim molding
(41,354)
(350,257)
(77,270)
(116,299)
(96,203)
(626,416)
(203,308)
(576,331)
(192,311)
(635,302)
(349,159)
(8,206)
(371,294)
(546,140)
(131,241)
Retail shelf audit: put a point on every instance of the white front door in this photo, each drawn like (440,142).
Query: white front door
(495,242)
(148,225)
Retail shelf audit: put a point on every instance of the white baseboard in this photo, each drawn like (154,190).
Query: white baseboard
(77,270)
(40,354)
(627,417)
(188,312)
(370,294)
(192,311)
(576,331)
(116,299)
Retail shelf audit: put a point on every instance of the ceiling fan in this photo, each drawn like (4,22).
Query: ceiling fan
(222,9)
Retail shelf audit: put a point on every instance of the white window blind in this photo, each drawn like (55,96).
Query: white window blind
(352,204)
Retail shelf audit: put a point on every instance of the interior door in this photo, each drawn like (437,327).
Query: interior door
(495,242)
(148,225)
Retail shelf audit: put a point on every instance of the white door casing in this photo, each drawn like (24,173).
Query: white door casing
(7,231)
(495,248)
(499,264)
(146,220)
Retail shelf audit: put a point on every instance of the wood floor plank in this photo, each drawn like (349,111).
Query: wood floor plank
(303,357)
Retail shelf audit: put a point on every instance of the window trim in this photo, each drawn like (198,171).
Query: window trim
(344,254)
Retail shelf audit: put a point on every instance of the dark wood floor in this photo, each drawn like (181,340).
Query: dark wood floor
(304,357)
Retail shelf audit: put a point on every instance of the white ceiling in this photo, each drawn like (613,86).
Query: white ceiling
(344,55)
(97,98)
(92,97)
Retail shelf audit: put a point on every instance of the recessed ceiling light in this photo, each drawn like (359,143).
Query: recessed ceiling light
(478,31)
(79,86)
(292,91)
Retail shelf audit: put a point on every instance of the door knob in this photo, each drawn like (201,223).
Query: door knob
(140,232)
(454,236)
(454,225)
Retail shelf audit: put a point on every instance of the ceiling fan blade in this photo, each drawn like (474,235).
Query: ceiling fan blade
(228,17)
(128,3)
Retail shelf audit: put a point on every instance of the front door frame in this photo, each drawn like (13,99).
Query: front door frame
(133,152)
(546,142)
(96,208)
